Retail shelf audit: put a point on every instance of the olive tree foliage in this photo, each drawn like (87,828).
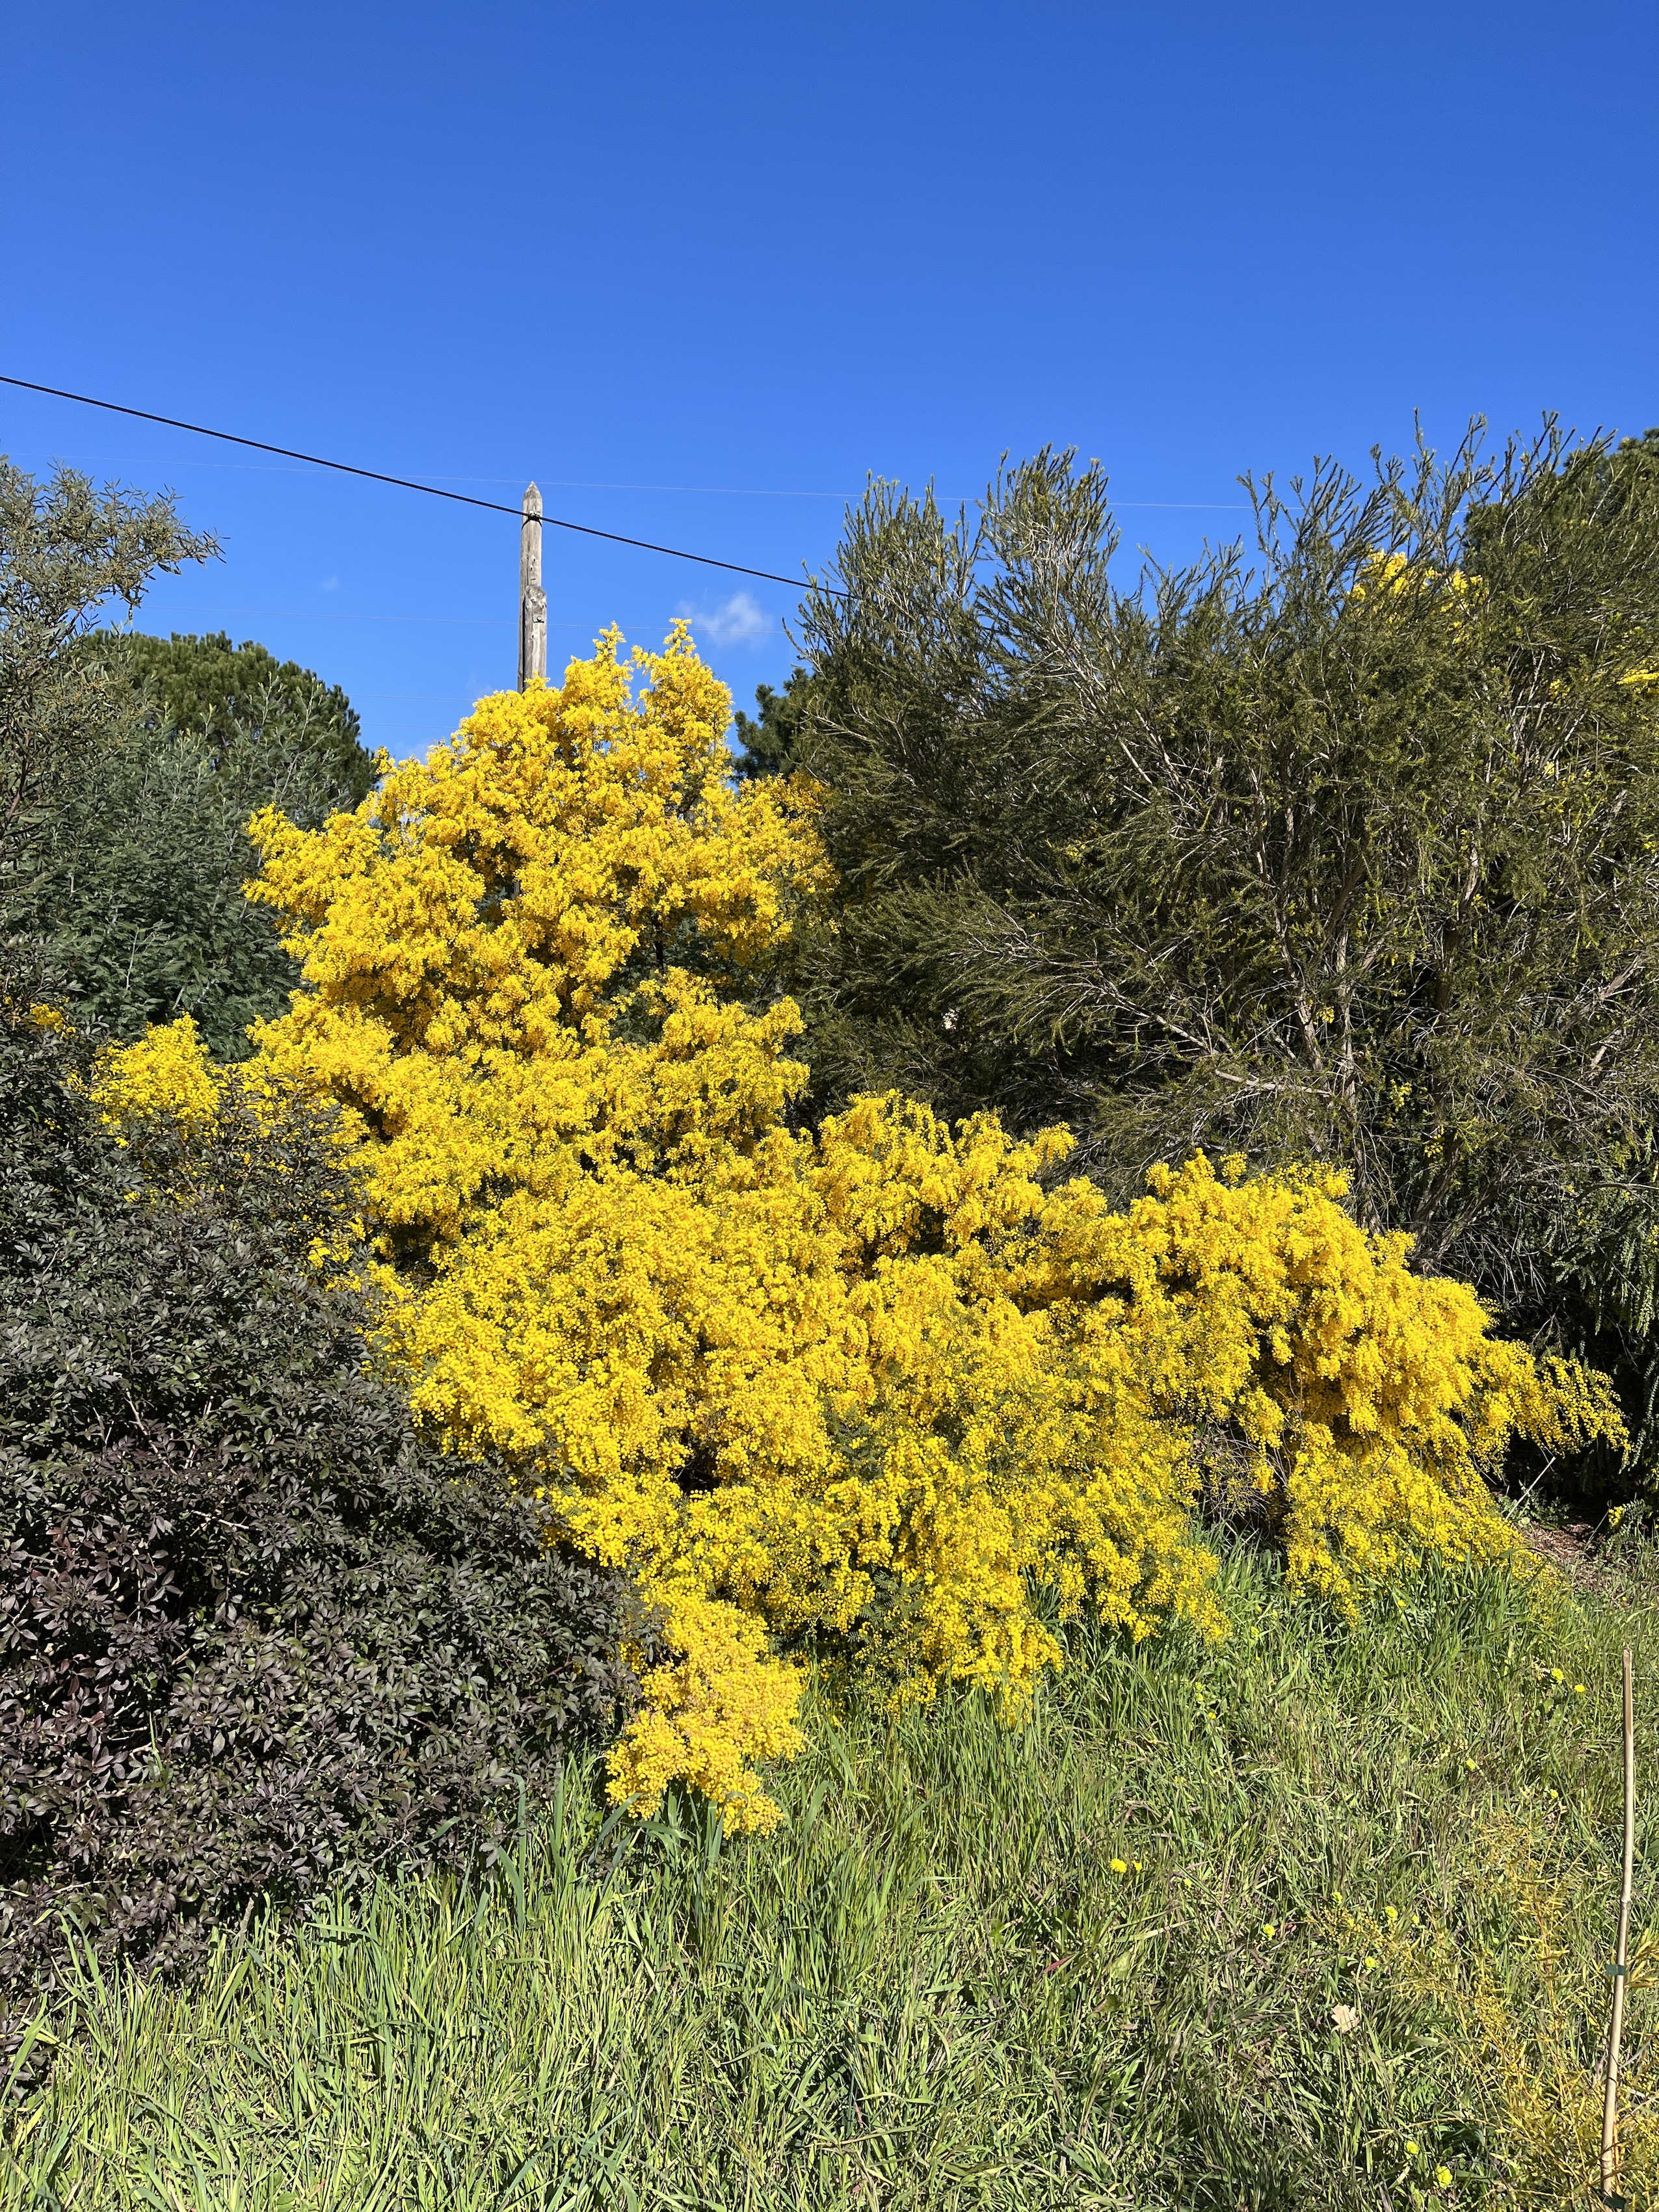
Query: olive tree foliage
(67,551)
(1345,846)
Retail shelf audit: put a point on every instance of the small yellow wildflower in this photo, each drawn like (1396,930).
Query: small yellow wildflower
(1369,1960)
(1391,1913)
(1120,1866)
(1442,2176)
(1410,2148)
(1269,1929)
(1578,1689)
(1556,1675)
(1336,1897)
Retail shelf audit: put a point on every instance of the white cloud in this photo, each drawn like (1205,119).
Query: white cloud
(741,620)
(329,584)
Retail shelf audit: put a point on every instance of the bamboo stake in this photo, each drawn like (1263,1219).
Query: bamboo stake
(1621,1967)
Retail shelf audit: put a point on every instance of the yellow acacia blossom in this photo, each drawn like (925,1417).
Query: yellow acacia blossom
(167,1071)
(894,1382)
(1393,577)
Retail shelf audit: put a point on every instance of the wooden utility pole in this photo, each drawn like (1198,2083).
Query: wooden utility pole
(532,600)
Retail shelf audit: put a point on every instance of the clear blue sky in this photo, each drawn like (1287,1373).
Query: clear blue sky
(699,271)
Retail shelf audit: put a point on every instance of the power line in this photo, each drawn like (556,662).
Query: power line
(408,484)
(703,491)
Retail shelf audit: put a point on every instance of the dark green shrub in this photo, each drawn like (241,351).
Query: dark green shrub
(255,1636)
(134,879)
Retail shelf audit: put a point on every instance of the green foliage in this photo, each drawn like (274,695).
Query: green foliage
(255,1639)
(1350,850)
(770,741)
(65,552)
(977,1969)
(129,766)
(234,694)
(136,886)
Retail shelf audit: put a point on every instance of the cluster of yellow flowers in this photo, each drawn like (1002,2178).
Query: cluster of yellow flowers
(1394,578)
(168,1072)
(891,1380)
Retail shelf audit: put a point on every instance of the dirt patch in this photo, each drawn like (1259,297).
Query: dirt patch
(1567,1546)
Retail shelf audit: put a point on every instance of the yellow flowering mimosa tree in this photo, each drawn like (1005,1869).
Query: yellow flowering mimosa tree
(891,1380)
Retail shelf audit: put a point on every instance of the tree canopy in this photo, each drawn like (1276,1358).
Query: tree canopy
(66,551)
(206,687)
(134,765)
(136,882)
(768,740)
(1343,848)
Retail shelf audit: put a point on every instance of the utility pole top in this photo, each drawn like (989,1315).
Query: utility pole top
(533,600)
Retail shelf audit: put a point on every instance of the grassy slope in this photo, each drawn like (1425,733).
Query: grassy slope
(933,1990)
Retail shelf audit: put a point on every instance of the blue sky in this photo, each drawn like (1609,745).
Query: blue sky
(701,271)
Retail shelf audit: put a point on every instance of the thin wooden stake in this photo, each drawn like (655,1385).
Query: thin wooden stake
(533,600)
(1621,1966)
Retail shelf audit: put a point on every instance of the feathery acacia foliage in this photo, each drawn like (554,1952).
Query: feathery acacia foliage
(887,1381)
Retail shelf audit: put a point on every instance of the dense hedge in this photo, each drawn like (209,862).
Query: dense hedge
(254,1636)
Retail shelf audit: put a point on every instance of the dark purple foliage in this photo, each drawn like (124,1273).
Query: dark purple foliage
(255,1636)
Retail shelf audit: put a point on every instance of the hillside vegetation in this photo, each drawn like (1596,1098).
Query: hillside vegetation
(1222,1925)
(798,1488)
(1341,845)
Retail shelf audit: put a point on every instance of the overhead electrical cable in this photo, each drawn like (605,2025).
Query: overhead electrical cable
(433,491)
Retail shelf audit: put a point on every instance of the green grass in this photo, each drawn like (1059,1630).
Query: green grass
(932,1989)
